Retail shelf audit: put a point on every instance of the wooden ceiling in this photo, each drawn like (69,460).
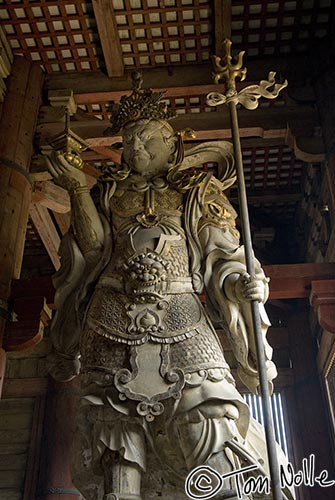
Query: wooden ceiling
(91,47)
(68,35)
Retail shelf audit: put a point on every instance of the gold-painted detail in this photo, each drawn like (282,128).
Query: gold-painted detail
(185,180)
(139,105)
(131,202)
(218,210)
(188,133)
(69,144)
(117,173)
(229,71)
(83,227)
(249,96)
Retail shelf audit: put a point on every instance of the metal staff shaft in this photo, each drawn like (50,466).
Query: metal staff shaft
(250,265)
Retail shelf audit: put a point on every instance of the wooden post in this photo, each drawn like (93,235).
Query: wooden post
(309,426)
(55,481)
(17,128)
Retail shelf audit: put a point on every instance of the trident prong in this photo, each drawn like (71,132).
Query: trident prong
(229,71)
(248,96)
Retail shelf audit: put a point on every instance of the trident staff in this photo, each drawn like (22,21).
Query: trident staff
(228,71)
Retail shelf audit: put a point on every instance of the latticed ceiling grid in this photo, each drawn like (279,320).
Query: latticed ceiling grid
(155,33)
(56,33)
(62,34)
(275,211)
(274,27)
(276,172)
(271,168)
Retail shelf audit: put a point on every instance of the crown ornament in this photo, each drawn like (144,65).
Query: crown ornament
(140,104)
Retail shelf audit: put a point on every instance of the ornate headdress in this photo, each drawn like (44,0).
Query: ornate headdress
(140,104)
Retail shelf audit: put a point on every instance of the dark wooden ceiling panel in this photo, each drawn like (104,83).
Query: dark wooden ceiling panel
(277,27)
(58,34)
(162,33)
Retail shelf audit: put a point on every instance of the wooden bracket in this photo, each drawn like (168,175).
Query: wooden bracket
(322,298)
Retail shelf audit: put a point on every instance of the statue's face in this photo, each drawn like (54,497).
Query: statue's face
(148,146)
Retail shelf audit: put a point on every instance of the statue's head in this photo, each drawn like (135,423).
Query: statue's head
(150,145)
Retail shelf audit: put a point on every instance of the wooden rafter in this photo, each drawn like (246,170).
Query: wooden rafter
(63,221)
(109,37)
(51,196)
(115,95)
(181,76)
(105,151)
(291,281)
(263,122)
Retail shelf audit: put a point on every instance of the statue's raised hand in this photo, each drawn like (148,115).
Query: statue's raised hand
(65,169)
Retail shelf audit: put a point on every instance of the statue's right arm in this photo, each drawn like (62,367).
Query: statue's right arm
(85,220)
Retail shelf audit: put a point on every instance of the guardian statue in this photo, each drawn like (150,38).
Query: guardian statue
(129,320)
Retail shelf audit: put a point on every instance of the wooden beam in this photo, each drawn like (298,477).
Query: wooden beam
(107,152)
(222,16)
(90,155)
(109,37)
(40,173)
(63,221)
(293,66)
(51,196)
(262,122)
(307,149)
(254,142)
(322,298)
(292,281)
(47,231)
(180,91)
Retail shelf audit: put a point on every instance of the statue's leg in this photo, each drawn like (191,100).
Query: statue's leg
(122,478)
(203,433)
